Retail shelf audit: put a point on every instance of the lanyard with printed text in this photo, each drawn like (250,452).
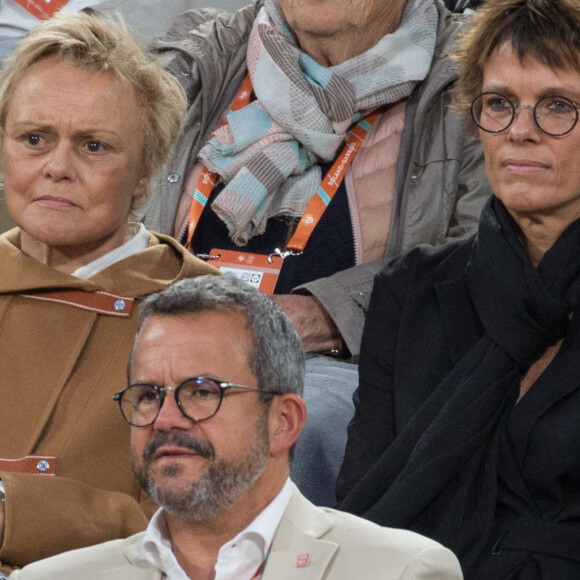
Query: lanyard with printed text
(329,186)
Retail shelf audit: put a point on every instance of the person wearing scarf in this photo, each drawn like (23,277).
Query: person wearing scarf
(316,69)
(466,424)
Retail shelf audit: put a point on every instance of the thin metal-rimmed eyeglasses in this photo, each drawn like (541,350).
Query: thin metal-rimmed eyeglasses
(554,115)
(198,398)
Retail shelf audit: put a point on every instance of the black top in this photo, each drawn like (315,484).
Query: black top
(438,444)
(330,248)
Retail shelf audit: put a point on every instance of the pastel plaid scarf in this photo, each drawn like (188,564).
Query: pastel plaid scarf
(268,152)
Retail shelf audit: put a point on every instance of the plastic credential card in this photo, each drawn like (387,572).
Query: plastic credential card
(257,270)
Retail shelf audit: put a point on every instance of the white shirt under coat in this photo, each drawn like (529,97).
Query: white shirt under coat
(238,559)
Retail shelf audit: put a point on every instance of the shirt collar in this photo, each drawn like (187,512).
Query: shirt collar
(156,543)
(266,523)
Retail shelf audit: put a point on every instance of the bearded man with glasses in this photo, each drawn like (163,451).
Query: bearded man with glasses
(214,403)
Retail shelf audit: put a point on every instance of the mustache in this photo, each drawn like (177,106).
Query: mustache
(201,446)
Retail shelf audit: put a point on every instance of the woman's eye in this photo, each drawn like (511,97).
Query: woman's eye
(560,107)
(497,104)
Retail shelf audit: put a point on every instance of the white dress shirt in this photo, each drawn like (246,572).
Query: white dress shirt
(238,559)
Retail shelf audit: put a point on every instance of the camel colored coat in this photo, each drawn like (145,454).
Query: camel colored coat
(60,364)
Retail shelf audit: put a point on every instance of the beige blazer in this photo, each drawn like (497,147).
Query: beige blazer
(339,546)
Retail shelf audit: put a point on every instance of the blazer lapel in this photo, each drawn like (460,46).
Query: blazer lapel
(559,380)
(457,314)
(299,551)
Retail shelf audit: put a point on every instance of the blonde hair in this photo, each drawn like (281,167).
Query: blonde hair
(99,43)
(545,30)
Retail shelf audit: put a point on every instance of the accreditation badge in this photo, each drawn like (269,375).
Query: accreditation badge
(257,270)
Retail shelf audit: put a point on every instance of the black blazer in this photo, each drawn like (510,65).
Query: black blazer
(420,324)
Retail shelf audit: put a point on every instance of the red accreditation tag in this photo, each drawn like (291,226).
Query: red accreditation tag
(42,9)
(258,270)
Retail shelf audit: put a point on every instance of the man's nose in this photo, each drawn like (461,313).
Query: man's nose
(170,415)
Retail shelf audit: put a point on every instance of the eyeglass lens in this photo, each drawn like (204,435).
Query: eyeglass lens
(494,112)
(198,398)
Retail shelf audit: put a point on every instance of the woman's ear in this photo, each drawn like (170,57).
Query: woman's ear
(141,188)
(287,415)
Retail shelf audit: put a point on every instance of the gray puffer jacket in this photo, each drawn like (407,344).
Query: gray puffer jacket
(441,184)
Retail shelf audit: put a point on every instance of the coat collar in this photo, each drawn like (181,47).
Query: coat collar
(459,320)
(299,538)
(148,271)
(20,273)
(558,381)
(164,261)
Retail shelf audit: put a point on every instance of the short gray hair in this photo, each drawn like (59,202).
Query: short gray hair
(277,358)
(98,43)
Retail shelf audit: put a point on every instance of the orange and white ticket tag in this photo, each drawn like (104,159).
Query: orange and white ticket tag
(42,9)
(257,270)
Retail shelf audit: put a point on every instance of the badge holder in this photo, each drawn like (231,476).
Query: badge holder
(257,270)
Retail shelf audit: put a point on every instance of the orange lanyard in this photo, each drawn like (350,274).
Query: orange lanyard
(329,185)
(207,178)
(321,198)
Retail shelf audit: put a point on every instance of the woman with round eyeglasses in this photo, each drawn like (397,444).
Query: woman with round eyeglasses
(467,423)
(554,115)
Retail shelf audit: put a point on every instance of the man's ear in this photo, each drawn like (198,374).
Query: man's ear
(287,415)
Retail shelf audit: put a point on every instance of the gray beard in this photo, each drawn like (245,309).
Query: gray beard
(218,488)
